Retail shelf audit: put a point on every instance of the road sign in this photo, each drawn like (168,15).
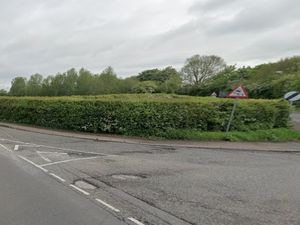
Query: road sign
(239,92)
(214,94)
(292,96)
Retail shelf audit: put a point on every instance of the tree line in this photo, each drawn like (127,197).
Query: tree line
(200,76)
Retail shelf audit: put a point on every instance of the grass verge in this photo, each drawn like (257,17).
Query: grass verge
(276,135)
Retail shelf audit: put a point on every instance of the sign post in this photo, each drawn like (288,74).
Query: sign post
(231,116)
(237,93)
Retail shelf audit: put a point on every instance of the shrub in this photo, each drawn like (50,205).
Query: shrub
(143,115)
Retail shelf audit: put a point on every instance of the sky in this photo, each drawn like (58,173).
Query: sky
(46,37)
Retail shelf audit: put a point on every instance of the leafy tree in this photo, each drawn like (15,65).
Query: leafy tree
(172,84)
(47,89)
(150,75)
(198,69)
(3,92)
(34,85)
(107,82)
(70,81)
(127,85)
(85,82)
(145,87)
(18,87)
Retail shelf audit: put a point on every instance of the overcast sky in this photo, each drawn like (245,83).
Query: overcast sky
(50,36)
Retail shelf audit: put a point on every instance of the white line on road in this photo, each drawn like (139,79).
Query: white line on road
(58,153)
(107,205)
(79,189)
(57,177)
(16,148)
(51,147)
(32,163)
(68,160)
(43,157)
(135,221)
(15,141)
(6,148)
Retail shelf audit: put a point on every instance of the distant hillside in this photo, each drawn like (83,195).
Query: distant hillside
(270,80)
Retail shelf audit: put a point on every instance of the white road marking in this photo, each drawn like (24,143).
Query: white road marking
(51,147)
(6,148)
(135,221)
(15,141)
(79,189)
(16,148)
(107,205)
(43,157)
(57,177)
(68,160)
(58,153)
(32,163)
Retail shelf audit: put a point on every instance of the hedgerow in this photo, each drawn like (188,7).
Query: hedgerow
(143,115)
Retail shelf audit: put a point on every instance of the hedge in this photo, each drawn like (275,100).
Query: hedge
(143,115)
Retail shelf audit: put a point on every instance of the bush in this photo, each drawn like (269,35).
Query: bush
(143,115)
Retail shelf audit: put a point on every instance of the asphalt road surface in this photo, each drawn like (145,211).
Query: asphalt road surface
(58,180)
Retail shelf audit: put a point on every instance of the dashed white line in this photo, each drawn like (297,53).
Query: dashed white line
(69,160)
(57,177)
(32,163)
(6,148)
(43,157)
(107,205)
(135,221)
(16,148)
(79,189)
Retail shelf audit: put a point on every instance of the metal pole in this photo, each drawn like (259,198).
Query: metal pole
(231,116)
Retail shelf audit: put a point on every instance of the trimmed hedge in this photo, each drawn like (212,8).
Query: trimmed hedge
(143,115)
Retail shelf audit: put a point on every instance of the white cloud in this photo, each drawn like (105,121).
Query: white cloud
(53,36)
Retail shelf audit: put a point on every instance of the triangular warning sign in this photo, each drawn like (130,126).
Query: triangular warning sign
(239,92)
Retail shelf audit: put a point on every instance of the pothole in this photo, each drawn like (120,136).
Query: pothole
(84,185)
(127,176)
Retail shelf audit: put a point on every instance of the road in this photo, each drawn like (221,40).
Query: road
(48,179)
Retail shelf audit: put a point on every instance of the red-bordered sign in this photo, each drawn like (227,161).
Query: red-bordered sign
(239,92)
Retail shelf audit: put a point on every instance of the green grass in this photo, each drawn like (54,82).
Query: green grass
(276,135)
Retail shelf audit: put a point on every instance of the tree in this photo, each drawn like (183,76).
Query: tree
(47,89)
(70,81)
(198,69)
(150,75)
(3,92)
(107,82)
(18,87)
(85,82)
(172,80)
(34,85)
(145,87)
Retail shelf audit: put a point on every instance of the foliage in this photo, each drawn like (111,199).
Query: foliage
(198,69)
(202,76)
(146,115)
(18,86)
(270,80)
(279,134)
(3,92)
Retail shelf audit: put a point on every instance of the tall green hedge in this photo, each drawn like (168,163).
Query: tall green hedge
(143,114)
